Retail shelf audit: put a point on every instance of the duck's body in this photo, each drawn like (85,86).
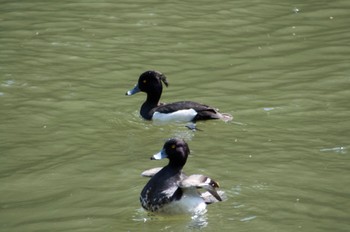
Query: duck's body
(170,191)
(163,191)
(150,82)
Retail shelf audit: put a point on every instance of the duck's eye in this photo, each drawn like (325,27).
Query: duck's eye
(173,146)
(144,81)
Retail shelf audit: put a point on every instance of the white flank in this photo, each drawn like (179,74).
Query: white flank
(190,202)
(177,116)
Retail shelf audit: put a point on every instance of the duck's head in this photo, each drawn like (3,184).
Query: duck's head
(176,150)
(149,82)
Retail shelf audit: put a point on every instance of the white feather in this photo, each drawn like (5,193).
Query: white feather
(177,116)
(190,202)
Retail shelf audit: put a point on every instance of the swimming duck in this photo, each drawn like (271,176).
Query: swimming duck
(150,82)
(170,191)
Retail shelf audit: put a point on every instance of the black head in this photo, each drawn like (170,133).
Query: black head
(176,150)
(150,80)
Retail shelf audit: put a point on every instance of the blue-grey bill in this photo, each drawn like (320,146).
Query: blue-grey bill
(133,91)
(160,155)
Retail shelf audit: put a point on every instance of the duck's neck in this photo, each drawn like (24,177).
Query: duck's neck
(151,102)
(153,99)
(177,166)
(172,170)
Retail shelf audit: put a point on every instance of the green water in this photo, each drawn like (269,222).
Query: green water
(73,145)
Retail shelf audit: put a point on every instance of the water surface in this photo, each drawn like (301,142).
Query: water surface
(73,145)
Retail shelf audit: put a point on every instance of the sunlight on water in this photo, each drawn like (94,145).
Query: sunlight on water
(335,149)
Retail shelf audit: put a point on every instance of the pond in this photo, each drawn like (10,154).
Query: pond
(73,145)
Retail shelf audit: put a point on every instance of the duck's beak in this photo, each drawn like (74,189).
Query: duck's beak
(136,89)
(160,155)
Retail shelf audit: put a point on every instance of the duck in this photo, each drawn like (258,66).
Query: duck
(170,190)
(150,82)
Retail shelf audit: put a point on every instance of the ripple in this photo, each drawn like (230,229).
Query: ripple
(196,221)
(335,149)
(249,218)
(8,83)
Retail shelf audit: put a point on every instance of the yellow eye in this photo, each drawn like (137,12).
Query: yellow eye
(173,146)
(144,81)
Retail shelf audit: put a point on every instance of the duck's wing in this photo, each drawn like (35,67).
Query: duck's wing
(202,112)
(151,172)
(205,112)
(182,105)
(201,181)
